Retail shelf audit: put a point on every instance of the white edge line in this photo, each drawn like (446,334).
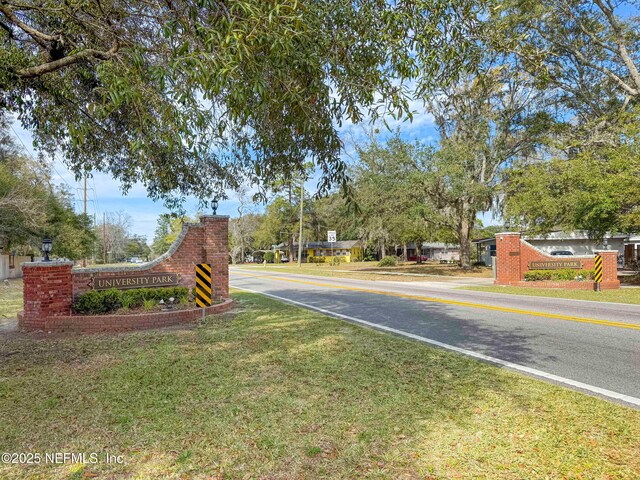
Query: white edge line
(514,366)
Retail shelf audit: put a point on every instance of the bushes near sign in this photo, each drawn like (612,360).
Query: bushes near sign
(105,301)
(567,274)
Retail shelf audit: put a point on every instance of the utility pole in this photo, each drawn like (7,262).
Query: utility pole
(84,260)
(104,238)
(301,210)
(93,248)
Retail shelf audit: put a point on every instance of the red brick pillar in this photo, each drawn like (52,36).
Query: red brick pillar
(609,268)
(508,258)
(48,292)
(216,247)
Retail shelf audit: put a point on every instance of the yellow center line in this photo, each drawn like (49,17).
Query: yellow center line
(460,303)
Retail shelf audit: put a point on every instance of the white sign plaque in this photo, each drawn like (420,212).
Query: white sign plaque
(331,236)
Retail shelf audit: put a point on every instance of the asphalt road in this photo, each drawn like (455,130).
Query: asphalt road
(589,346)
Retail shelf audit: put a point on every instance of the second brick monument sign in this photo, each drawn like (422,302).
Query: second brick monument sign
(515,257)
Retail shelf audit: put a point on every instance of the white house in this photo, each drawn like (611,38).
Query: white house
(432,251)
(11,265)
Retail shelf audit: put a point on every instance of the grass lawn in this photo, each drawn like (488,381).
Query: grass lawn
(623,295)
(10,298)
(274,391)
(371,271)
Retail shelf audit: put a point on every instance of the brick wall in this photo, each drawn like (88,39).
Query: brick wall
(47,292)
(204,242)
(49,287)
(123,323)
(514,254)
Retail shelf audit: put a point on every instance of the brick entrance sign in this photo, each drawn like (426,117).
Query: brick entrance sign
(514,256)
(50,287)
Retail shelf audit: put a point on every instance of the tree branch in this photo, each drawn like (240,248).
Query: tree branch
(624,54)
(626,87)
(49,67)
(42,38)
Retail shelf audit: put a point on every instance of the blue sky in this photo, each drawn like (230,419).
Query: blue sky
(104,193)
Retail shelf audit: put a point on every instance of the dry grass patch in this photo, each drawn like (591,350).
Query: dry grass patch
(10,298)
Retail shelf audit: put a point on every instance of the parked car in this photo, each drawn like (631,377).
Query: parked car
(284,259)
(561,253)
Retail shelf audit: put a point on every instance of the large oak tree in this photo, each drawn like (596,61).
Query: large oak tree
(193,96)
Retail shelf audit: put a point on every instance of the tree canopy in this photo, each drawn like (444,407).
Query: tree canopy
(194,96)
(586,56)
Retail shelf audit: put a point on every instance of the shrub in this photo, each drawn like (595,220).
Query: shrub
(149,304)
(269,257)
(537,275)
(389,261)
(369,256)
(337,260)
(104,301)
(563,274)
(585,274)
(91,302)
(127,301)
(313,259)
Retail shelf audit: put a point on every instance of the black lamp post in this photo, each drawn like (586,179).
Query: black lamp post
(214,205)
(46,248)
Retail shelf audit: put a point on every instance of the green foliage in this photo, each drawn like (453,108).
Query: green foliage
(160,244)
(585,56)
(369,255)
(242,233)
(563,274)
(137,247)
(595,189)
(196,97)
(149,304)
(105,301)
(337,260)
(388,261)
(269,257)
(582,51)
(585,274)
(485,124)
(89,302)
(389,193)
(32,208)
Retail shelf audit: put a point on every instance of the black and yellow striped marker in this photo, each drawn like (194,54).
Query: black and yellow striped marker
(203,285)
(597,270)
